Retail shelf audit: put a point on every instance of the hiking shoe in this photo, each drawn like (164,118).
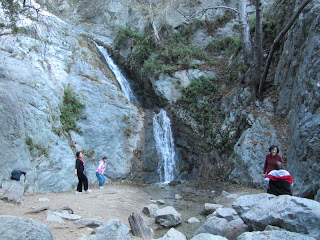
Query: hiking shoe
(101,187)
(88,191)
(78,192)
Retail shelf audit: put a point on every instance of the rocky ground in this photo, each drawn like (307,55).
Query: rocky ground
(119,200)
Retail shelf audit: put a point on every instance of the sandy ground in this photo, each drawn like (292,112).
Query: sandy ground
(118,200)
(115,201)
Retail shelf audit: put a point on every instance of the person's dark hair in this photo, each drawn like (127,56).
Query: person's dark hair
(272,147)
(104,157)
(78,153)
(278,165)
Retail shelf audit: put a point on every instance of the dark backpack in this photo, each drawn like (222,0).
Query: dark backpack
(15,174)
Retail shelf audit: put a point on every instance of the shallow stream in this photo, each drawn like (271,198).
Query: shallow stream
(193,197)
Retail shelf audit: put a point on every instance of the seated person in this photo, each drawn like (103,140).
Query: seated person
(280,181)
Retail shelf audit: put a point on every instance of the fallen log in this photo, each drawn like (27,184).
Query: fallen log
(38,210)
(139,228)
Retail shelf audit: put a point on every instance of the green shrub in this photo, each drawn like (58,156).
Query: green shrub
(199,98)
(228,43)
(71,111)
(36,149)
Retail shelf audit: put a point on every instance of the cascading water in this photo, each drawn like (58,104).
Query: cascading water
(165,146)
(124,84)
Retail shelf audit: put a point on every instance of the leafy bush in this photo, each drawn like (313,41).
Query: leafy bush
(199,98)
(36,149)
(226,44)
(71,111)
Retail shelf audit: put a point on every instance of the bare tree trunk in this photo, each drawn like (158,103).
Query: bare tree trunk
(246,42)
(155,30)
(245,32)
(276,42)
(258,46)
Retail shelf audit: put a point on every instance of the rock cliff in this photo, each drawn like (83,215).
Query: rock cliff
(48,48)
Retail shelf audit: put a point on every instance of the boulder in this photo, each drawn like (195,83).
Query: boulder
(208,236)
(273,235)
(14,192)
(227,213)
(249,158)
(111,230)
(151,210)
(215,226)
(294,214)
(173,234)
(19,228)
(168,217)
(209,208)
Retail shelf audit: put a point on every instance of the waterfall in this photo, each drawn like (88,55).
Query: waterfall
(124,84)
(165,146)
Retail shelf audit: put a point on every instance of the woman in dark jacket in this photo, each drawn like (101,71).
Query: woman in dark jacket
(271,159)
(78,171)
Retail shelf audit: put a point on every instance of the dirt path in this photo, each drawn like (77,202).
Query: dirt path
(120,200)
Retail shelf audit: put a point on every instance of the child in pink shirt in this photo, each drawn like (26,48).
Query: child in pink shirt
(100,170)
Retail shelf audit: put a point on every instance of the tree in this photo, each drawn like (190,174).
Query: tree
(276,42)
(253,50)
(254,74)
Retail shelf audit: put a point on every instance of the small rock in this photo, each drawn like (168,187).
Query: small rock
(160,201)
(193,220)
(177,197)
(44,200)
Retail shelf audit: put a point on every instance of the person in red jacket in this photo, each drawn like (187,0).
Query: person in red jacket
(279,181)
(271,159)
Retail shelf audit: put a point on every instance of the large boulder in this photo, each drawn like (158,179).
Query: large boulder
(291,213)
(215,226)
(207,236)
(173,234)
(111,230)
(14,191)
(168,217)
(19,228)
(250,152)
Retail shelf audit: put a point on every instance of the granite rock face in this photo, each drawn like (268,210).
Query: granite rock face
(37,66)
(298,80)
